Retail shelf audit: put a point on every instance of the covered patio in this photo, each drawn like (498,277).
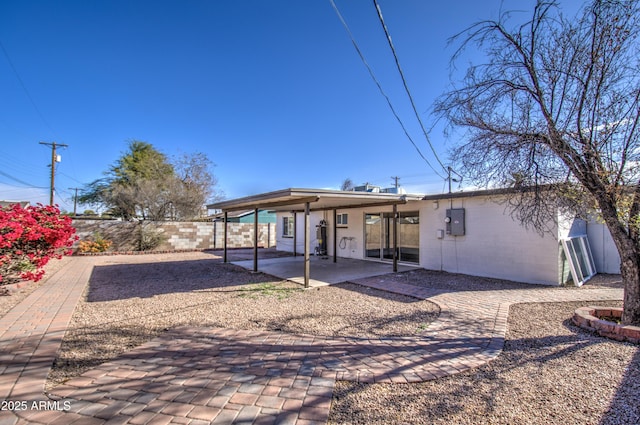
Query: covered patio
(304,201)
(323,271)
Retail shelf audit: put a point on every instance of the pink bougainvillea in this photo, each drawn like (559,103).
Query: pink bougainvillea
(29,238)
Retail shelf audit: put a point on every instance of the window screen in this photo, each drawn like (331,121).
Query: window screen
(578,254)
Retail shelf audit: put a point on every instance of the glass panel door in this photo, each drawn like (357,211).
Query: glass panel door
(387,238)
(409,237)
(372,235)
(379,237)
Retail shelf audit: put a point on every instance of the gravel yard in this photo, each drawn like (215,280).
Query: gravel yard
(549,373)
(128,304)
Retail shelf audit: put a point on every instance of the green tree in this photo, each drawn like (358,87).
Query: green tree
(125,189)
(144,183)
(556,103)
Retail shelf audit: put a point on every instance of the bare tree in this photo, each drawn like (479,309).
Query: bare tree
(193,186)
(555,111)
(347,184)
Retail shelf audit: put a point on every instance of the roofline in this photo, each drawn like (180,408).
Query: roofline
(302,194)
(485,192)
(312,195)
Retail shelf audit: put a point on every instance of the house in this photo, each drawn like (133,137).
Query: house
(246,217)
(467,232)
(23,204)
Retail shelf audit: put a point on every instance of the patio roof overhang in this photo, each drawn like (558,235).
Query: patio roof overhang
(295,200)
(305,201)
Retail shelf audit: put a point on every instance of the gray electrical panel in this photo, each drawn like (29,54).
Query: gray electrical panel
(455,222)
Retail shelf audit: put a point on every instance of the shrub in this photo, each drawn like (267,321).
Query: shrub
(98,244)
(150,238)
(29,238)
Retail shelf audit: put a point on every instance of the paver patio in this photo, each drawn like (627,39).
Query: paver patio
(213,375)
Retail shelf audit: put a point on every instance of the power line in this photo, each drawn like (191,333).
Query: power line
(406,86)
(15,169)
(24,88)
(29,185)
(69,177)
(65,199)
(355,45)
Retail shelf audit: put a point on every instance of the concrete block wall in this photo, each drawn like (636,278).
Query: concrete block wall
(122,234)
(176,235)
(240,235)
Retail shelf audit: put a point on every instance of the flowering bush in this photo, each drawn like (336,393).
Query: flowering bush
(29,238)
(98,244)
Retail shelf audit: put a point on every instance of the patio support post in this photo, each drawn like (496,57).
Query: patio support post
(307,237)
(226,217)
(395,238)
(255,240)
(335,236)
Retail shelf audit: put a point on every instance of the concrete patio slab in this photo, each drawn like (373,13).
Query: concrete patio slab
(323,270)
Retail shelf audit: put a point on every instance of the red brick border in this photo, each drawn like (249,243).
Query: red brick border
(590,318)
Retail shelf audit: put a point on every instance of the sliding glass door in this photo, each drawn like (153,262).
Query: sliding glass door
(372,235)
(379,236)
(409,237)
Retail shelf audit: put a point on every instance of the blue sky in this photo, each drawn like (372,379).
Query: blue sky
(273,92)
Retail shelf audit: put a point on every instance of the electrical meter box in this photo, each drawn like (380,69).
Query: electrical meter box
(455,222)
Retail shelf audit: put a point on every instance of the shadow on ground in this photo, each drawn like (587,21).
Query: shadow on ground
(557,374)
(122,281)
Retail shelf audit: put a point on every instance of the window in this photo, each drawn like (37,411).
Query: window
(287,227)
(342,219)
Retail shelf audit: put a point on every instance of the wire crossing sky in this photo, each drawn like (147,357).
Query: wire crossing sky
(272,92)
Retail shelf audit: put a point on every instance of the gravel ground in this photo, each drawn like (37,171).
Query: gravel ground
(128,304)
(460,282)
(549,373)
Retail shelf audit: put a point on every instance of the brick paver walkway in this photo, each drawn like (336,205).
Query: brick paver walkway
(213,375)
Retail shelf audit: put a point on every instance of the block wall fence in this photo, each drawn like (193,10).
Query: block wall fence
(176,235)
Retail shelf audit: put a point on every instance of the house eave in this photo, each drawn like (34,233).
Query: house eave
(320,199)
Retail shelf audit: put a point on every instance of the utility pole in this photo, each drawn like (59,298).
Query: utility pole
(451,179)
(396,179)
(54,159)
(75,199)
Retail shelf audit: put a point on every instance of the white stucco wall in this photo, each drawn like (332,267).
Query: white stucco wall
(605,253)
(569,226)
(349,237)
(494,244)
